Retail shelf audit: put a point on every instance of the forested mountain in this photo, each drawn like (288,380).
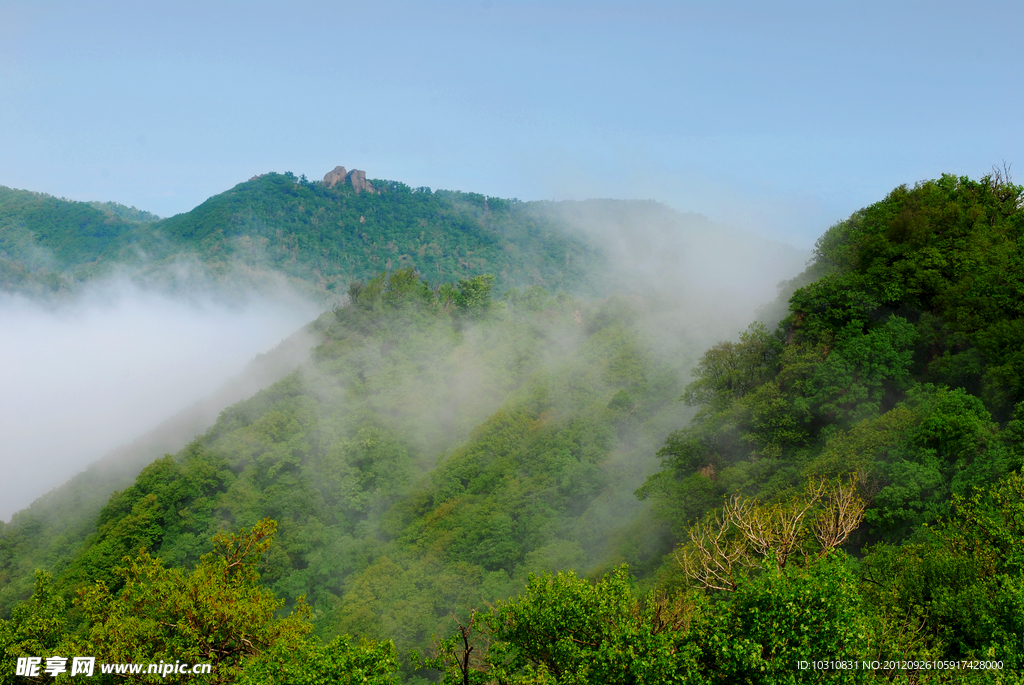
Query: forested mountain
(438,447)
(897,372)
(453,473)
(63,247)
(320,237)
(46,242)
(899,360)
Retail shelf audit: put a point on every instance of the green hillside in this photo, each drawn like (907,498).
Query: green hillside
(319,237)
(901,359)
(47,244)
(475,479)
(333,235)
(425,421)
(899,367)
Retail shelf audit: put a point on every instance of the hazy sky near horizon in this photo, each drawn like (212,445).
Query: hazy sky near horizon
(780,117)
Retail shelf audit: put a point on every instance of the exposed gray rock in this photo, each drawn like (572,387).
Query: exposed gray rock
(358,180)
(354,178)
(334,177)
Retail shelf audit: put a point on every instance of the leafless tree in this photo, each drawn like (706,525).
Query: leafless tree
(746,531)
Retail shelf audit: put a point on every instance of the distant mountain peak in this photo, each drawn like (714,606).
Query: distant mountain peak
(355,178)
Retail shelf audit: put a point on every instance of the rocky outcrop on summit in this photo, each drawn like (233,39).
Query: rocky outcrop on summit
(335,176)
(358,180)
(355,178)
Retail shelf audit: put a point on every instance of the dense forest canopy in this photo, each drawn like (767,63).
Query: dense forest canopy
(544,410)
(318,236)
(462,483)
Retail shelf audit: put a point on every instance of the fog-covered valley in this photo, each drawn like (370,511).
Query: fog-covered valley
(85,375)
(163,321)
(397,414)
(511,343)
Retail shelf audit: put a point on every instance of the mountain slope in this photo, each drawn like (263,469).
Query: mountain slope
(900,361)
(46,243)
(440,446)
(333,235)
(49,532)
(320,238)
(276,224)
(339,453)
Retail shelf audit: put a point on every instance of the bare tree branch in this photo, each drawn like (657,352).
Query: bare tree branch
(746,531)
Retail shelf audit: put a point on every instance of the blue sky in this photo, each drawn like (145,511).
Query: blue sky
(777,117)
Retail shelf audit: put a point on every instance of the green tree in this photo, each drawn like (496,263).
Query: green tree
(475,294)
(728,371)
(36,627)
(342,661)
(565,630)
(781,616)
(216,613)
(959,588)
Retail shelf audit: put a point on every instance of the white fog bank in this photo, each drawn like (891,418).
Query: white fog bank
(81,379)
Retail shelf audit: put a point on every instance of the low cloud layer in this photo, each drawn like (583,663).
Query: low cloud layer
(723,274)
(92,373)
(82,378)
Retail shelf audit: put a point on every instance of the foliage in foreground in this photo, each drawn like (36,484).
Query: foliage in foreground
(217,613)
(957,595)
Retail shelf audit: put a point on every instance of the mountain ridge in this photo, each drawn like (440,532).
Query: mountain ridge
(320,236)
(846,482)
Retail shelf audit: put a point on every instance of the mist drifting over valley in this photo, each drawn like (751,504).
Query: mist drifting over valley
(471,387)
(622,342)
(85,375)
(92,370)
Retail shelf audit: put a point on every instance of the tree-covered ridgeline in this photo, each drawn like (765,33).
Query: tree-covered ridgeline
(48,242)
(319,237)
(849,486)
(316,238)
(899,366)
(901,361)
